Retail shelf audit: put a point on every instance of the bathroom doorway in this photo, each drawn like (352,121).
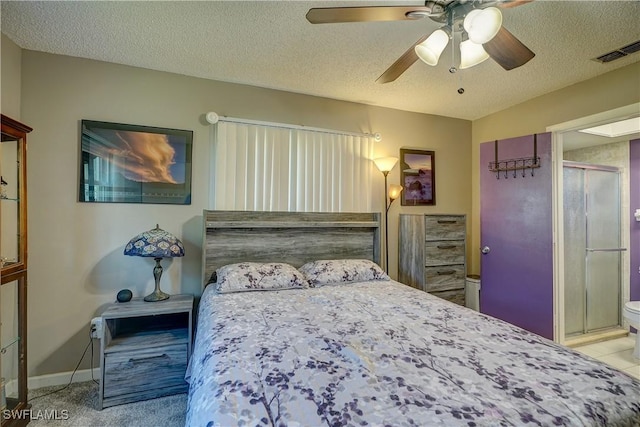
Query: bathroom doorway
(571,143)
(592,248)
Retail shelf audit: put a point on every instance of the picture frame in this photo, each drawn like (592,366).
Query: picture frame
(418,177)
(125,163)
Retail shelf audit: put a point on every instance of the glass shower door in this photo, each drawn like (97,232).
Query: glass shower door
(604,250)
(592,254)
(575,244)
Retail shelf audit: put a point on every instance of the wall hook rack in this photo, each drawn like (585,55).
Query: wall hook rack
(516,164)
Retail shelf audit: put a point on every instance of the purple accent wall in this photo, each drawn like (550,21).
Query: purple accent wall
(634,202)
(516,223)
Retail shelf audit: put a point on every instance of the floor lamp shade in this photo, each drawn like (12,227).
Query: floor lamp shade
(385,164)
(156,243)
(394,193)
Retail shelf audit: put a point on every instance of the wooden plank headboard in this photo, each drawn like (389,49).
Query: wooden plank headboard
(291,237)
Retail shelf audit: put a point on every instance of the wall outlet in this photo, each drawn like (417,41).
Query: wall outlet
(96,327)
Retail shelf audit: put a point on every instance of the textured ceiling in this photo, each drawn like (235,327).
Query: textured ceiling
(271,44)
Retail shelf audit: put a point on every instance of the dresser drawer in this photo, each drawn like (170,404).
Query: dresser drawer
(444,252)
(444,278)
(445,227)
(456,296)
(144,370)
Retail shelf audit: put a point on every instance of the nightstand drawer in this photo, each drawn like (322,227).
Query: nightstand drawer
(142,371)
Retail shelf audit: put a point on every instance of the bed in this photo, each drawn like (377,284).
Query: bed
(349,346)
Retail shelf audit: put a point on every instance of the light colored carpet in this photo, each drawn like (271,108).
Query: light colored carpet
(80,400)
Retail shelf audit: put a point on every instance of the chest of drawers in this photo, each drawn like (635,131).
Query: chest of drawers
(432,254)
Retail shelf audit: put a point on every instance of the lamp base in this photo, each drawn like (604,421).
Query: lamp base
(156,295)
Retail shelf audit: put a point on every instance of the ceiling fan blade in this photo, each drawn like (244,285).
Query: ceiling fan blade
(513,3)
(507,50)
(332,15)
(402,64)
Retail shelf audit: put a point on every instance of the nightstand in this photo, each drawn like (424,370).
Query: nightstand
(144,349)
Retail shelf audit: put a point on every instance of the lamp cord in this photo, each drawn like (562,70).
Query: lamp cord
(74,371)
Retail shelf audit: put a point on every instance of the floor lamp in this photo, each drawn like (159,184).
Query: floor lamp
(385,164)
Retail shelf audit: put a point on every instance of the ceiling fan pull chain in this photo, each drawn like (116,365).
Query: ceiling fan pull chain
(453,68)
(453,53)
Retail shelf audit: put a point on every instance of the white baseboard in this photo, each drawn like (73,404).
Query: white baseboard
(59,379)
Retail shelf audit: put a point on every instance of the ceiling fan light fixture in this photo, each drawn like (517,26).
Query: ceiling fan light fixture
(429,51)
(466,24)
(471,54)
(483,24)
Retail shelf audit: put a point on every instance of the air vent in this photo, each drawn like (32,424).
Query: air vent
(619,53)
(632,48)
(611,56)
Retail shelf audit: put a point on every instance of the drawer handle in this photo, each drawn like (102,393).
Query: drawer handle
(447,221)
(446,272)
(446,246)
(146,359)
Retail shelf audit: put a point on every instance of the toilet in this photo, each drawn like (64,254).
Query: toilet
(632,315)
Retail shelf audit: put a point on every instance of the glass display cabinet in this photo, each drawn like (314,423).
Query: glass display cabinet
(13,274)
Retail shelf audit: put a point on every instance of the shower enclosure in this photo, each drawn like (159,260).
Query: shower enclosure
(593,252)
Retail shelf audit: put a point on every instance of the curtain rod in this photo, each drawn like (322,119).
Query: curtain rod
(214,118)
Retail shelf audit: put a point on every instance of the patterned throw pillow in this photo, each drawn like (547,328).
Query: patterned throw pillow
(327,272)
(253,276)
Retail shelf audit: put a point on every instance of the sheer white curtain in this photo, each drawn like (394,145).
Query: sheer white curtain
(270,168)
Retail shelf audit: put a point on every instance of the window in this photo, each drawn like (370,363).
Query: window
(279,168)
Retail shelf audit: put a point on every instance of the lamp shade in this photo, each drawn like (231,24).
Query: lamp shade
(155,243)
(471,54)
(385,164)
(466,24)
(394,191)
(483,25)
(429,51)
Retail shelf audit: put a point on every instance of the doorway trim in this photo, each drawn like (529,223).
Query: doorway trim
(557,133)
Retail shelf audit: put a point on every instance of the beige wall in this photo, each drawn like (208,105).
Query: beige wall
(75,249)
(608,91)
(10,77)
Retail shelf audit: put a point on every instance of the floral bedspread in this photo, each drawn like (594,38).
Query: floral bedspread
(384,354)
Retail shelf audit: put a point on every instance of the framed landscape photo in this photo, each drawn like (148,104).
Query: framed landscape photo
(418,177)
(122,163)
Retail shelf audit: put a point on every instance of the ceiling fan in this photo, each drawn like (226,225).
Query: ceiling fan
(479,21)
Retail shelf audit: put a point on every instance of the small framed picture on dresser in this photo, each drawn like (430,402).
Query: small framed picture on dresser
(418,177)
